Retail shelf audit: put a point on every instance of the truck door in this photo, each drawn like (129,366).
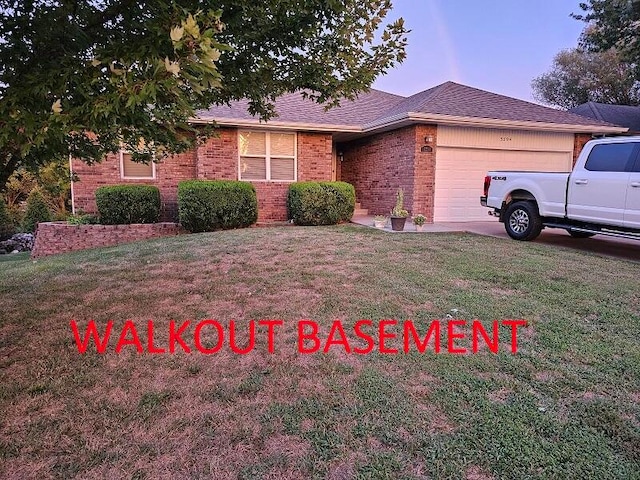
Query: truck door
(632,207)
(597,191)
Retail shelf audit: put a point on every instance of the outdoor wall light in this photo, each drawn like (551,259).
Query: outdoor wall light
(341,156)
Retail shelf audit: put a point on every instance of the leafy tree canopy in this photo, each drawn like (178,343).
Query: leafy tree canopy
(580,76)
(84,78)
(613,24)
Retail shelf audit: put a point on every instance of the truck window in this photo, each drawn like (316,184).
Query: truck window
(612,157)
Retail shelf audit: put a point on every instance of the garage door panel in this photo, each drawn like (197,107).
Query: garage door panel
(460,173)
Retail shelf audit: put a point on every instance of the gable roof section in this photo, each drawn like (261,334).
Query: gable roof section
(448,103)
(292,108)
(461,101)
(624,115)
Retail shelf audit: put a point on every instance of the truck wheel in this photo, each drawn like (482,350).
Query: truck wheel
(577,234)
(522,221)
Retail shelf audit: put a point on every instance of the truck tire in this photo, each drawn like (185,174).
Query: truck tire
(577,234)
(522,221)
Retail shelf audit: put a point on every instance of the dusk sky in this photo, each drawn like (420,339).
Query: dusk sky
(496,45)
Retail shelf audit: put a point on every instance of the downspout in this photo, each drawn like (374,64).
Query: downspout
(73,200)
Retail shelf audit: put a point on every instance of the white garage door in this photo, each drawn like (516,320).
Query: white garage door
(464,155)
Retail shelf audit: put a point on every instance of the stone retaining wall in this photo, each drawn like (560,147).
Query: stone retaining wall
(59,237)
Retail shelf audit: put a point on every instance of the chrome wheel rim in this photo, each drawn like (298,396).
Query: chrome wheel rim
(519,221)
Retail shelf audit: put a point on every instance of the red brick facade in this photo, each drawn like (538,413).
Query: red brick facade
(55,238)
(378,165)
(217,159)
(168,174)
(579,139)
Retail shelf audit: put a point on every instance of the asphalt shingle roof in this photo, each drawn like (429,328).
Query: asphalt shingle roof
(449,98)
(292,107)
(461,101)
(624,115)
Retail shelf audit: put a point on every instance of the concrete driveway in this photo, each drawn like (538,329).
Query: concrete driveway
(600,244)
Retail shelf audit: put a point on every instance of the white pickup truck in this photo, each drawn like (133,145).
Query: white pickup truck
(600,196)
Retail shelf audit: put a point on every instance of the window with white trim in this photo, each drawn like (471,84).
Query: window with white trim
(267,156)
(135,170)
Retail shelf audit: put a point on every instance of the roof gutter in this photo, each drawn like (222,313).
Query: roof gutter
(414,117)
(490,123)
(318,127)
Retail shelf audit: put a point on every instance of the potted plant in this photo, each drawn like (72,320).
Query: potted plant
(418,221)
(379,221)
(399,214)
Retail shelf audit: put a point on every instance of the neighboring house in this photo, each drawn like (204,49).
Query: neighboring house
(436,145)
(623,115)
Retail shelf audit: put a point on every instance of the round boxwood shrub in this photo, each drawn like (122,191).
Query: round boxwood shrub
(321,203)
(6,225)
(208,205)
(37,211)
(124,204)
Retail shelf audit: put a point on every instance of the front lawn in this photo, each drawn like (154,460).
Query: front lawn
(567,405)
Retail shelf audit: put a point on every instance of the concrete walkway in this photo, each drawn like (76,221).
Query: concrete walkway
(367,221)
(599,244)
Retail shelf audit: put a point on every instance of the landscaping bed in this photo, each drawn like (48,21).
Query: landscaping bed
(566,405)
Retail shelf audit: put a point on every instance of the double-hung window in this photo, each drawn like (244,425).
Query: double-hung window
(135,170)
(267,156)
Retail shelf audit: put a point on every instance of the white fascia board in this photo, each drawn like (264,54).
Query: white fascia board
(317,127)
(513,124)
(414,117)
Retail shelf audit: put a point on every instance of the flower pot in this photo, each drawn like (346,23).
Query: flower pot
(379,223)
(397,223)
(419,228)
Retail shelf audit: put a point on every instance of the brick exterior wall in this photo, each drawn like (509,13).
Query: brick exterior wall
(168,173)
(55,238)
(216,159)
(579,139)
(378,165)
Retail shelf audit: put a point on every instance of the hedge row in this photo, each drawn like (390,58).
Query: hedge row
(207,205)
(321,203)
(123,204)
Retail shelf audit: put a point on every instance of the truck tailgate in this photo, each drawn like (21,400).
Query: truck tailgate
(550,189)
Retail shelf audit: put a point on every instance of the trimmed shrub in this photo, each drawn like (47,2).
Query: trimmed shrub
(208,205)
(125,204)
(321,203)
(6,225)
(37,211)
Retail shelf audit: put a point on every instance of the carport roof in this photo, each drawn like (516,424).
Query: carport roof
(449,103)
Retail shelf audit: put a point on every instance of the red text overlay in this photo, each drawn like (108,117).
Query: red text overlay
(390,337)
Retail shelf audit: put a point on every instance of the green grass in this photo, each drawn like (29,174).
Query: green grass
(567,405)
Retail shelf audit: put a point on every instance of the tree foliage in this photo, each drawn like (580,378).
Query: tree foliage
(613,24)
(85,78)
(53,181)
(580,76)
(37,211)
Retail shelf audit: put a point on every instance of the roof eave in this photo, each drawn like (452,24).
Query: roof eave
(316,127)
(518,124)
(414,117)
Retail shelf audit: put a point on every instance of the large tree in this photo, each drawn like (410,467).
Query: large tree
(613,24)
(579,76)
(85,78)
